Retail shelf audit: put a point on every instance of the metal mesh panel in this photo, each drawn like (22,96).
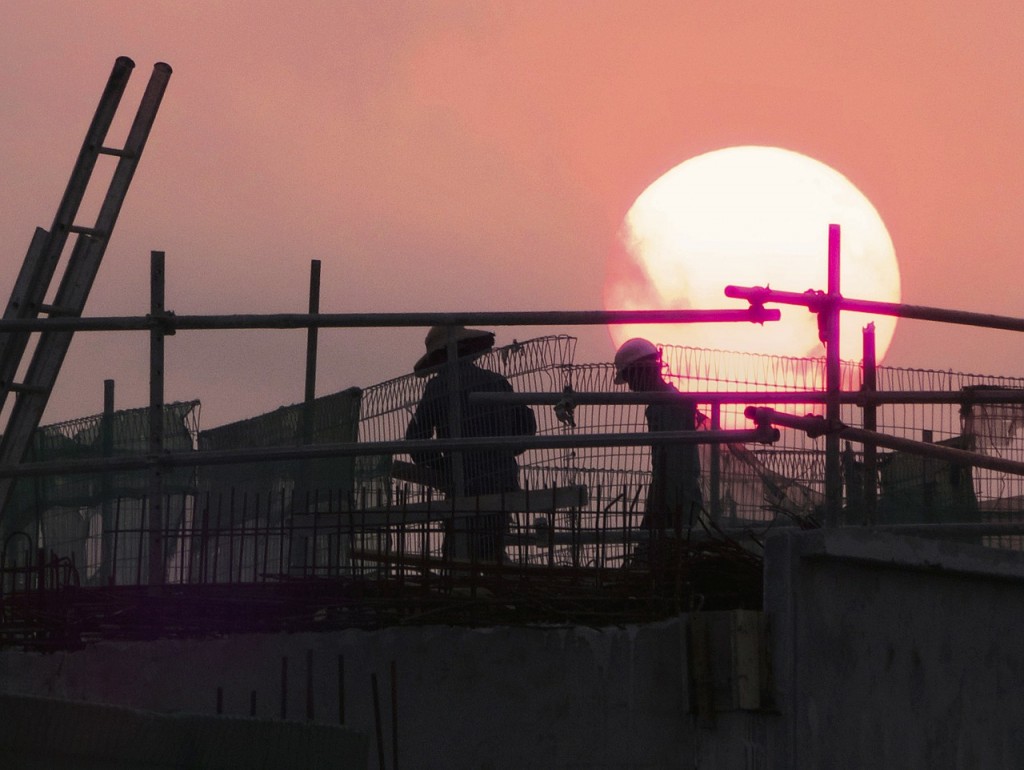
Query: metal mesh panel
(758,486)
(242,510)
(328,419)
(538,365)
(991,429)
(80,516)
(122,433)
(242,526)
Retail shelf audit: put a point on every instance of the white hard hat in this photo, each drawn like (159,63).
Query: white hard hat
(631,352)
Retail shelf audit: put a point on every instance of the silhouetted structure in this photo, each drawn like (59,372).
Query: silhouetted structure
(445,411)
(674,497)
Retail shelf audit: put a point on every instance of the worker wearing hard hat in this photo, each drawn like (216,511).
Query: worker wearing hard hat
(674,498)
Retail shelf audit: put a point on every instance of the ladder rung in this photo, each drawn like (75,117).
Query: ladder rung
(91,231)
(20,387)
(56,310)
(122,153)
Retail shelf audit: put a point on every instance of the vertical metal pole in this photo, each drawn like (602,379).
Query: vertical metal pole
(309,685)
(716,466)
(156,420)
(284,687)
(833,374)
(341,689)
(311,347)
(459,536)
(454,412)
(305,482)
(394,717)
(376,722)
(870,423)
(106,516)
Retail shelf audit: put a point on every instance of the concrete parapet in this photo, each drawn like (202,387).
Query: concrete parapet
(892,651)
(51,734)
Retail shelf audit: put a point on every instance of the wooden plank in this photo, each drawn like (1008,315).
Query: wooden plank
(520,501)
(402,470)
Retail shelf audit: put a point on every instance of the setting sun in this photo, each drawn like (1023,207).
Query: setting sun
(750,216)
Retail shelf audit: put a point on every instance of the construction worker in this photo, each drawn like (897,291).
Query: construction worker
(674,497)
(483,471)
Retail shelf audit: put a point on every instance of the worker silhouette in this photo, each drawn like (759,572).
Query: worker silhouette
(674,496)
(439,414)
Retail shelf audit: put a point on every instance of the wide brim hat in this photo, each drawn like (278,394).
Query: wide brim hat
(471,342)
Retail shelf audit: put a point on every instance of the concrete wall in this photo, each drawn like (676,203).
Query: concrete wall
(895,652)
(492,698)
(49,734)
(885,652)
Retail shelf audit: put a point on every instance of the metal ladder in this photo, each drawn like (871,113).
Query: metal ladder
(44,255)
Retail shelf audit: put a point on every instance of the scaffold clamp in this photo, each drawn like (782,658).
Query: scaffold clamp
(814,425)
(165,322)
(565,409)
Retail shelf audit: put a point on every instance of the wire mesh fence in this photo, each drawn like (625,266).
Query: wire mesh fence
(573,512)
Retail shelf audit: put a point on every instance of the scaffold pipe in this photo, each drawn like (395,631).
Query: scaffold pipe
(759,435)
(816,426)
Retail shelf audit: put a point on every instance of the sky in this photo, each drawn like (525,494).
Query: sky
(443,156)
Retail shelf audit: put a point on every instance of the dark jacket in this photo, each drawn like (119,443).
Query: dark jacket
(484,471)
(675,468)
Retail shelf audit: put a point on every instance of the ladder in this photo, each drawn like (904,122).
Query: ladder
(38,271)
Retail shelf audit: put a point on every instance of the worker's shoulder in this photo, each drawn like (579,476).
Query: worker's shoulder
(486,379)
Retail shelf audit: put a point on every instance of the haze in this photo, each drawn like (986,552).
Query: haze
(480,156)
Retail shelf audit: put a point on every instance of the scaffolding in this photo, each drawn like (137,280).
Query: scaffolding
(334,506)
(323,514)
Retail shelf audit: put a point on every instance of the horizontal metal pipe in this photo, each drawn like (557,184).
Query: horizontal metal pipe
(352,449)
(957,529)
(603,399)
(969,396)
(171,322)
(816,426)
(540,536)
(817,301)
(950,454)
(986,396)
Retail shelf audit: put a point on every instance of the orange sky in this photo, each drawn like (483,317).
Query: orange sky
(480,156)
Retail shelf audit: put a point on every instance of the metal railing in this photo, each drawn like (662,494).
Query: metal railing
(573,535)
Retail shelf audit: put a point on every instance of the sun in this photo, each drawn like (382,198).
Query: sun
(750,216)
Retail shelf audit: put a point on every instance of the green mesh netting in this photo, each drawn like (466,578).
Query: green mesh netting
(119,434)
(329,419)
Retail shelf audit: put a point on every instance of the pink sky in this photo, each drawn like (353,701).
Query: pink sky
(480,156)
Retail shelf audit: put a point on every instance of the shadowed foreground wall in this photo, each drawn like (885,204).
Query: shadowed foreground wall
(895,652)
(885,651)
(48,734)
(502,697)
